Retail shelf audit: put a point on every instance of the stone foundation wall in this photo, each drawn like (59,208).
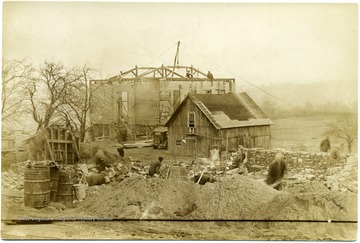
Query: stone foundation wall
(259,158)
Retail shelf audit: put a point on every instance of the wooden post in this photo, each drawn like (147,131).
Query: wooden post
(74,144)
(48,146)
(52,138)
(66,146)
(227,146)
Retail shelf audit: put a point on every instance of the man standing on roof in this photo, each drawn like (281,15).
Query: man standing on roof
(188,74)
(210,76)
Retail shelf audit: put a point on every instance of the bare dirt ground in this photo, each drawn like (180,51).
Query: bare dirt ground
(165,230)
(235,207)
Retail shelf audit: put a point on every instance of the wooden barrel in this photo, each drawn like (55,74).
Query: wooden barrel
(65,188)
(54,182)
(37,186)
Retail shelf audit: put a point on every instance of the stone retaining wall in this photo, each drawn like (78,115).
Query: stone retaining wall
(300,160)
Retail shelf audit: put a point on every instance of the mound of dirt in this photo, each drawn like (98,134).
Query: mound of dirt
(305,187)
(321,206)
(232,198)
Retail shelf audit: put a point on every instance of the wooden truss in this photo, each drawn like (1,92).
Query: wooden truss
(161,72)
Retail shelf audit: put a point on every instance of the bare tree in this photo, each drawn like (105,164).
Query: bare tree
(14,74)
(77,101)
(47,91)
(345,128)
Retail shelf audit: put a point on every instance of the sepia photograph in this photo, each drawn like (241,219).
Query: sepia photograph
(179,121)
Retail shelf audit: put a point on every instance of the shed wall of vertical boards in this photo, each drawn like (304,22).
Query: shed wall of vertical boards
(206,135)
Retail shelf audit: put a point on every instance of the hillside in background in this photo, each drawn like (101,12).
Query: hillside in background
(311,97)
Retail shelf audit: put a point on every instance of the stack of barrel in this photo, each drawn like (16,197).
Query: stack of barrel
(54,182)
(65,188)
(46,183)
(37,186)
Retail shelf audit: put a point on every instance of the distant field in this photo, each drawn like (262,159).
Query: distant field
(307,131)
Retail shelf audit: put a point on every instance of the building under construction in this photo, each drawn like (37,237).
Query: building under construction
(140,99)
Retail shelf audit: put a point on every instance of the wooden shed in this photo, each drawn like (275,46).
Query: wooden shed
(203,121)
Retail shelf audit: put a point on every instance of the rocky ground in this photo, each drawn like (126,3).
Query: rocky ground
(310,206)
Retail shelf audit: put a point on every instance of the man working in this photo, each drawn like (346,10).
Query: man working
(276,172)
(210,76)
(155,167)
(240,158)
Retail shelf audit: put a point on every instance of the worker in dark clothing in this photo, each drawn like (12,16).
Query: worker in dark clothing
(155,167)
(188,74)
(325,145)
(240,158)
(101,161)
(121,152)
(204,178)
(210,76)
(276,172)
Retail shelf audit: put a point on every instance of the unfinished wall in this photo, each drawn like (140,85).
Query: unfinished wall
(147,105)
(102,105)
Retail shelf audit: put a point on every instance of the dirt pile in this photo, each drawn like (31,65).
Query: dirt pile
(234,197)
(321,206)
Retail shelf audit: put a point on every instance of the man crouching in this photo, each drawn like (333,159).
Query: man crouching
(155,167)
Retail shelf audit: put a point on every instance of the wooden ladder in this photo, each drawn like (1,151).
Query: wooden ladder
(123,122)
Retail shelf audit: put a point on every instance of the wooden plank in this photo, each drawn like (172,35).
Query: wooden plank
(49,148)
(60,141)
(74,145)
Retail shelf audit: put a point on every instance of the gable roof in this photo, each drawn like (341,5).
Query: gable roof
(228,110)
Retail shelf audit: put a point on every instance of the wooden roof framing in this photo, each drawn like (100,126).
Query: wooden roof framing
(160,72)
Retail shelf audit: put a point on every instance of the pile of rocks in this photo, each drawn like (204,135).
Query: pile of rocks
(12,180)
(343,178)
(14,177)
(338,178)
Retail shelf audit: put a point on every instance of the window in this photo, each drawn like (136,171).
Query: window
(178,143)
(191,119)
(192,130)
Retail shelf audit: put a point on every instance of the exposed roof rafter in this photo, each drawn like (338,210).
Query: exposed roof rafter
(161,72)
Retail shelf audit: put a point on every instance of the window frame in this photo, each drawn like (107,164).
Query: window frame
(178,143)
(192,122)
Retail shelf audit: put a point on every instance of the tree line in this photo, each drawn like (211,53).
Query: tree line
(49,93)
(55,93)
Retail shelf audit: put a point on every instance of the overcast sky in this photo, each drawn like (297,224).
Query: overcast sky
(262,43)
